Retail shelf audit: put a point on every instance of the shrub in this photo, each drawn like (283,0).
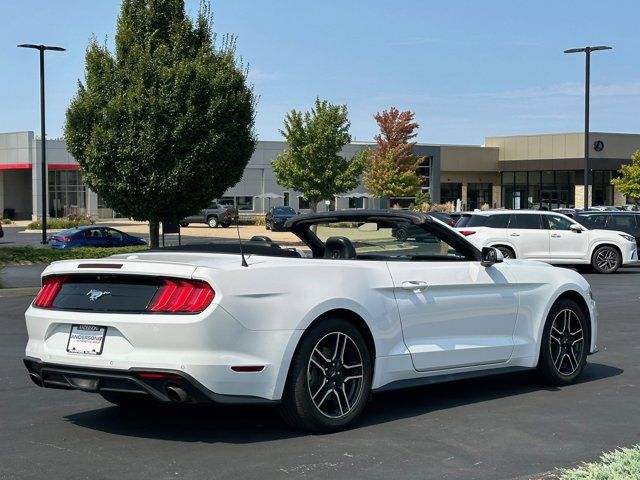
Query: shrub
(29,254)
(442,207)
(485,206)
(621,464)
(7,221)
(59,223)
(259,221)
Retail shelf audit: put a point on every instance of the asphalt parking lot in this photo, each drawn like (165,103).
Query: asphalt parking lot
(493,428)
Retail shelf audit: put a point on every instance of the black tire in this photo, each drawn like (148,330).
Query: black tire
(402,234)
(562,354)
(212,222)
(267,226)
(606,259)
(225,225)
(344,387)
(507,252)
(184,224)
(130,400)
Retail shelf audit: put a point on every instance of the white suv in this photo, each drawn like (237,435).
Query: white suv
(549,237)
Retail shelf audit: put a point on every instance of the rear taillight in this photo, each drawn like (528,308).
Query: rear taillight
(183,296)
(50,288)
(466,233)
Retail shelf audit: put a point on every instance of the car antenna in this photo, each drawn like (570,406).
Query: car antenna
(244,260)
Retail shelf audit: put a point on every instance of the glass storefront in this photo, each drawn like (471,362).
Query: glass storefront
(450,192)
(67,193)
(602,193)
(479,194)
(538,190)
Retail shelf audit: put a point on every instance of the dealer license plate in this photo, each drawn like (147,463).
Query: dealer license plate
(87,339)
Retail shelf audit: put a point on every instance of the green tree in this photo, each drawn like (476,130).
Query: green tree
(390,170)
(165,123)
(312,163)
(629,180)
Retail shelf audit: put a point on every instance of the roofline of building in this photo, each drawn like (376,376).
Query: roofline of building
(561,133)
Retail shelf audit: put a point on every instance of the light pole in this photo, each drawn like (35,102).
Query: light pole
(587,51)
(43,137)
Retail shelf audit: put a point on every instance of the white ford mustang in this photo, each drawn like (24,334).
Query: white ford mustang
(315,333)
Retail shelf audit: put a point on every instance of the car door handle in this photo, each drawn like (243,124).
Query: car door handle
(514,234)
(414,286)
(556,235)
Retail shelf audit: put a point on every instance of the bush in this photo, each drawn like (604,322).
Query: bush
(443,207)
(622,464)
(61,223)
(259,221)
(28,254)
(7,221)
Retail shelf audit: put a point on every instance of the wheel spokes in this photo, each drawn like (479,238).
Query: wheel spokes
(566,341)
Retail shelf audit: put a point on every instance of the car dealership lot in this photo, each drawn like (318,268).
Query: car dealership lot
(498,427)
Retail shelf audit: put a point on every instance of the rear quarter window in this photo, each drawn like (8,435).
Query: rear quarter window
(525,221)
(472,221)
(498,221)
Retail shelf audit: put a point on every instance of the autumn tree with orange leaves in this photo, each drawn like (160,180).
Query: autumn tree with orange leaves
(390,170)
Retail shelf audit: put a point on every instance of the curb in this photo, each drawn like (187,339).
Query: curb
(19,292)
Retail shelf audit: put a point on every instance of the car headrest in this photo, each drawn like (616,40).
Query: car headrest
(339,247)
(264,240)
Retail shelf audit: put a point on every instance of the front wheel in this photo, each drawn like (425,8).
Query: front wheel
(506,252)
(565,344)
(329,379)
(184,224)
(212,222)
(606,259)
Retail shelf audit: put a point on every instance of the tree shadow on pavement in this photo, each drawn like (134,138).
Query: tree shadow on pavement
(253,424)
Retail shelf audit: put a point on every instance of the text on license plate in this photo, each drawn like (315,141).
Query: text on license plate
(86,339)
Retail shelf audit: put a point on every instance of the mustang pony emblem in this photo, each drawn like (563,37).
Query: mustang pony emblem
(94,294)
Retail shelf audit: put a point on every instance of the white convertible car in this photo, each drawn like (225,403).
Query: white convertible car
(314,332)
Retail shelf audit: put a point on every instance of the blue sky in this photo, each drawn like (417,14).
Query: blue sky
(468,69)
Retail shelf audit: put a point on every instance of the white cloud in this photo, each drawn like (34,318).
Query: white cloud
(258,75)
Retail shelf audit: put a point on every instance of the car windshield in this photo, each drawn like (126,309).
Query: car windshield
(284,211)
(390,240)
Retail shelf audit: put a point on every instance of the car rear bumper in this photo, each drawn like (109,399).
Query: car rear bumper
(141,381)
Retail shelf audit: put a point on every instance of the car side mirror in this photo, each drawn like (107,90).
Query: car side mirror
(491,256)
(575,228)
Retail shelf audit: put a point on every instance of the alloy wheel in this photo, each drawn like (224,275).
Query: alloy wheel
(606,259)
(335,375)
(566,342)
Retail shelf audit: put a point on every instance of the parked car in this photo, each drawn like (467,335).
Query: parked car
(93,236)
(604,208)
(629,207)
(277,216)
(217,214)
(549,237)
(205,324)
(628,222)
(403,231)
(565,211)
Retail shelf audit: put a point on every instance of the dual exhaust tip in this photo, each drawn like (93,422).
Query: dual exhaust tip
(176,394)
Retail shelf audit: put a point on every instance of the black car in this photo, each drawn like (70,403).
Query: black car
(403,231)
(216,214)
(627,222)
(277,216)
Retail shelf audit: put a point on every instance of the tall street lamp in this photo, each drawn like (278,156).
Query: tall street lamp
(43,137)
(587,51)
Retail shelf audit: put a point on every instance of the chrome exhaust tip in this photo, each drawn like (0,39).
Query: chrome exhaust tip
(35,378)
(176,394)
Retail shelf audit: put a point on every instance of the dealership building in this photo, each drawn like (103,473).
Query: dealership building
(525,171)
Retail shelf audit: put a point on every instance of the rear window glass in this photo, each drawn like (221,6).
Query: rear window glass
(622,222)
(472,221)
(591,221)
(525,221)
(498,221)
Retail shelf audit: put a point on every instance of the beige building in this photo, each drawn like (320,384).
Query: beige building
(527,171)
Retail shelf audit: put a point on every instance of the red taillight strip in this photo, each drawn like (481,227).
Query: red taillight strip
(50,288)
(247,368)
(160,375)
(466,233)
(182,296)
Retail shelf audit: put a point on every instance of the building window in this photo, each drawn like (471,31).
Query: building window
(602,193)
(303,204)
(67,193)
(478,194)
(424,170)
(239,202)
(286,201)
(450,192)
(356,202)
(546,190)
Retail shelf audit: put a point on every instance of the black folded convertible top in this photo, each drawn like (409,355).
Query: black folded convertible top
(248,247)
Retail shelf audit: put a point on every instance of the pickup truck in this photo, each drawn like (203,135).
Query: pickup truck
(223,215)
